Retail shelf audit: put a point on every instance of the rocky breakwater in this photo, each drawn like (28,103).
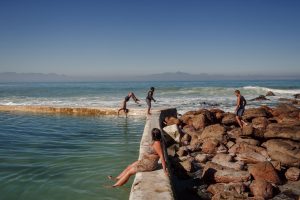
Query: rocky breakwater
(223,161)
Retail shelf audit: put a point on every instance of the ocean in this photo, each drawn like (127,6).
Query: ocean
(55,157)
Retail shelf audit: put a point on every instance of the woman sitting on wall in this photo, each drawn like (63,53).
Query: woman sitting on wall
(148,162)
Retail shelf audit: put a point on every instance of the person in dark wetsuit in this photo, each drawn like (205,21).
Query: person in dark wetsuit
(240,108)
(150,98)
(126,99)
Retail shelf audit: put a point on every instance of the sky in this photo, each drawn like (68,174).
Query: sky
(123,37)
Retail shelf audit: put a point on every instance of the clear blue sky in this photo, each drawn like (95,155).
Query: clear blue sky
(94,37)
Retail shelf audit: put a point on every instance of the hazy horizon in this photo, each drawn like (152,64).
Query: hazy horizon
(106,38)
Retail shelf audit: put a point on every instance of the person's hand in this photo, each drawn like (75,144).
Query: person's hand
(166,172)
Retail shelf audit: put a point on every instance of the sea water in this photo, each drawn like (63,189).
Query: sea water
(52,157)
(182,95)
(68,157)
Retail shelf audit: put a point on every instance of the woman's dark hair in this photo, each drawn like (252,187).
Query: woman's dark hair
(152,88)
(237,91)
(156,134)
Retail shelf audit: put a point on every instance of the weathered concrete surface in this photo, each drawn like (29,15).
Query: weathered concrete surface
(92,111)
(155,184)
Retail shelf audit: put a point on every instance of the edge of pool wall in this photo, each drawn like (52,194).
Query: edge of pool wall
(154,184)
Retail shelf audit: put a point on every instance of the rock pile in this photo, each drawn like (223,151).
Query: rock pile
(260,161)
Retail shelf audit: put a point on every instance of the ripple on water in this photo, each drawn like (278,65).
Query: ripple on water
(65,157)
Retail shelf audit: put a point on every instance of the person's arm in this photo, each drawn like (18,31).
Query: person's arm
(135,99)
(152,97)
(158,149)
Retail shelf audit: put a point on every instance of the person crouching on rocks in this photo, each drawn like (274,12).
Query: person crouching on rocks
(240,108)
(126,99)
(149,161)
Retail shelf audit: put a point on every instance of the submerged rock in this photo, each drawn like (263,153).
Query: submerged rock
(260,98)
(270,93)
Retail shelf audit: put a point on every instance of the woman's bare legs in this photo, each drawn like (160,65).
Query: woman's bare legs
(126,170)
(125,177)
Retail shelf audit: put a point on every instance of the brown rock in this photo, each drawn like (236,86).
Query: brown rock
(181,151)
(230,196)
(285,151)
(292,174)
(210,146)
(231,176)
(235,133)
(265,171)
(230,144)
(254,113)
(261,188)
(171,121)
(276,165)
(238,188)
(187,165)
(260,98)
(199,121)
(286,110)
(247,130)
(291,188)
(194,140)
(215,131)
(248,141)
(243,147)
(296,96)
(226,161)
(283,131)
(260,123)
(228,119)
(251,157)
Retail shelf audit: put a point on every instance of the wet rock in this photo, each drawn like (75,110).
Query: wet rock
(264,171)
(261,188)
(296,96)
(210,146)
(260,98)
(173,132)
(215,131)
(254,113)
(292,174)
(283,131)
(285,151)
(229,119)
(270,93)
(248,141)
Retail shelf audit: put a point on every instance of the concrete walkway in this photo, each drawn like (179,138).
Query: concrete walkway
(152,185)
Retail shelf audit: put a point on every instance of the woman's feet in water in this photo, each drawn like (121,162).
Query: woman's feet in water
(112,178)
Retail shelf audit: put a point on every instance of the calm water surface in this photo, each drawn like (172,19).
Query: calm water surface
(63,157)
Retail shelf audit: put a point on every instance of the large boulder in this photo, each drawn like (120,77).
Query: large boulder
(292,188)
(283,131)
(199,121)
(215,131)
(221,187)
(231,176)
(209,146)
(261,188)
(292,174)
(286,110)
(260,123)
(264,171)
(226,160)
(243,147)
(254,113)
(229,119)
(249,141)
(251,157)
(285,151)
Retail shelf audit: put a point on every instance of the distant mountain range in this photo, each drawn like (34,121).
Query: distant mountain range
(168,76)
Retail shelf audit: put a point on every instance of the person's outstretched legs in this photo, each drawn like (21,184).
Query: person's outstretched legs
(126,170)
(125,177)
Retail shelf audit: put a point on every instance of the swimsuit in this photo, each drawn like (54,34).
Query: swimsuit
(240,111)
(149,98)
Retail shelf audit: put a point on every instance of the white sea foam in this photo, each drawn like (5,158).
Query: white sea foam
(266,89)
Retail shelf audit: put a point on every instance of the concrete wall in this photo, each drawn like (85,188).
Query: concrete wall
(155,184)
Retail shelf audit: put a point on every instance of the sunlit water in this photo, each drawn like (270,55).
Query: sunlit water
(44,157)
(182,95)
